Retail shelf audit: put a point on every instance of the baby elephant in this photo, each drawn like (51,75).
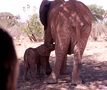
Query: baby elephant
(37,59)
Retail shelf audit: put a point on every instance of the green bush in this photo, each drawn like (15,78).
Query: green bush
(34,28)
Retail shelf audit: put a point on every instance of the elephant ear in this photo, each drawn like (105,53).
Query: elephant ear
(43,12)
(43,50)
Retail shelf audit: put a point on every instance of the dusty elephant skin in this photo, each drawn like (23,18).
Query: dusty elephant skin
(8,62)
(37,59)
(69,26)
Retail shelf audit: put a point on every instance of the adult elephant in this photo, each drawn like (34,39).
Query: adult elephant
(69,25)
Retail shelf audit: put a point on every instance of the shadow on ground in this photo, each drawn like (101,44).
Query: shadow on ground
(93,73)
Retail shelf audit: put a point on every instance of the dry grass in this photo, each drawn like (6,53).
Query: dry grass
(99,32)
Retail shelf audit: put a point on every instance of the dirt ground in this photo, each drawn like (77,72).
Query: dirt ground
(93,72)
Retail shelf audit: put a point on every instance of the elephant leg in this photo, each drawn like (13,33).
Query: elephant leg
(53,78)
(38,68)
(64,66)
(78,52)
(43,67)
(61,53)
(31,72)
(76,66)
(48,67)
(26,72)
(44,62)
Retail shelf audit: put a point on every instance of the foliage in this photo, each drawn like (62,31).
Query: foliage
(7,19)
(99,31)
(97,12)
(34,28)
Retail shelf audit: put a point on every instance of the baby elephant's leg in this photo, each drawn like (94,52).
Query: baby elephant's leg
(48,67)
(38,68)
(44,67)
